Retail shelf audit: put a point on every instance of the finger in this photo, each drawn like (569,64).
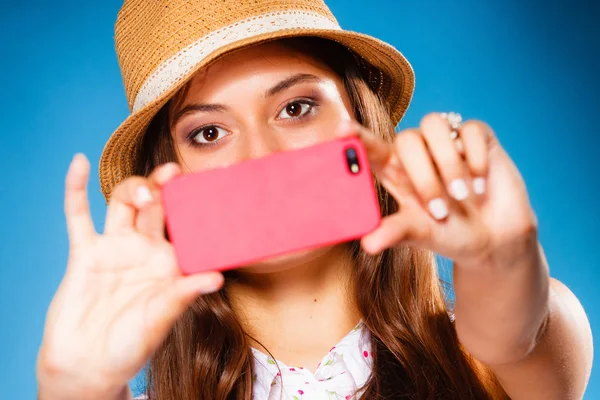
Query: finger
(77,209)
(378,151)
(187,288)
(150,219)
(394,229)
(171,302)
(419,167)
(129,196)
(448,161)
(475,135)
(165,173)
(383,159)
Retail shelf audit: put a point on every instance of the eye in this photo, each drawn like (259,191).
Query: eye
(208,134)
(296,109)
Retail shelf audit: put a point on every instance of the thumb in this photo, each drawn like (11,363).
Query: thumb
(187,288)
(168,305)
(393,230)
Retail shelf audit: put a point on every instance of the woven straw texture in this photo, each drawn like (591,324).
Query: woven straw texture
(148,34)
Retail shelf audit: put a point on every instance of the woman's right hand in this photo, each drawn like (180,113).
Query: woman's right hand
(121,294)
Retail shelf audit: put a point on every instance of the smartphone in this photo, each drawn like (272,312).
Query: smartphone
(285,202)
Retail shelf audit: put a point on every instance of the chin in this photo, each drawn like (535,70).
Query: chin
(290,260)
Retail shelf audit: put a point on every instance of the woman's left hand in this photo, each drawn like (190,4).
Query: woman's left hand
(468,204)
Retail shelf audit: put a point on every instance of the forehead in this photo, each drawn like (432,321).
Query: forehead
(268,60)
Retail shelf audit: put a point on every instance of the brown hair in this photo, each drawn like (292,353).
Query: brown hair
(416,352)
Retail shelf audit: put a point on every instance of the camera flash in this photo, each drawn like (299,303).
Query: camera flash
(354,168)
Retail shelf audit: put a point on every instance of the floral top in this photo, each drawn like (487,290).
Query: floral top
(340,375)
(343,371)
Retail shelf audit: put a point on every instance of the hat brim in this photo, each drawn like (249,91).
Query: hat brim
(121,151)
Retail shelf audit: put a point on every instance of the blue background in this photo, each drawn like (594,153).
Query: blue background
(529,68)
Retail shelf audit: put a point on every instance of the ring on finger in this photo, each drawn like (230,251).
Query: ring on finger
(455,122)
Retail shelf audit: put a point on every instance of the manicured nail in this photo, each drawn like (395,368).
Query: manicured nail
(210,289)
(79,157)
(143,195)
(459,189)
(438,208)
(166,172)
(368,245)
(479,185)
(211,286)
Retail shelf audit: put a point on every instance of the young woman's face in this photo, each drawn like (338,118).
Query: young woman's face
(254,102)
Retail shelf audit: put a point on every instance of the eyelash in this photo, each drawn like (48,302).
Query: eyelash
(303,100)
(312,103)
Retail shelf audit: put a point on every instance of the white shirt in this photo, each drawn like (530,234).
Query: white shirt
(344,370)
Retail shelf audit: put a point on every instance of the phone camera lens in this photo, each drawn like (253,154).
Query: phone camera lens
(352,160)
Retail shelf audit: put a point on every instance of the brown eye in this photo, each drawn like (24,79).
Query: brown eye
(295,109)
(209,134)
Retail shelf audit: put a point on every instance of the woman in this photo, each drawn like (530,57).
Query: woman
(215,84)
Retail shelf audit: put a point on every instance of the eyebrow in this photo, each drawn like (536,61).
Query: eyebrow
(291,81)
(198,107)
(278,88)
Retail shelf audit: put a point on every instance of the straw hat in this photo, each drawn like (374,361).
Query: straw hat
(160,44)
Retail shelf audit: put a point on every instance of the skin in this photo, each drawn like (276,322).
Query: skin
(528,328)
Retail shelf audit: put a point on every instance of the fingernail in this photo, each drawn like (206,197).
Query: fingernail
(212,287)
(167,172)
(459,189)
(479,185)
(368,245)
(143,195)
(438,208)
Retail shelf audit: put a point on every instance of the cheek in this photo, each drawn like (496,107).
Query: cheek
(328,121)
(320,128)
(333,119)
(338,109)
(341,107)
(192,160)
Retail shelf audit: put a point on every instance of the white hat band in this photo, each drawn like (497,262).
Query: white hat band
(178,66)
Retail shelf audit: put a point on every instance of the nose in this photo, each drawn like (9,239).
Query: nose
(259,144)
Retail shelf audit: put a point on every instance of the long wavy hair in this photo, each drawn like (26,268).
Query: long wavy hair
(416,352)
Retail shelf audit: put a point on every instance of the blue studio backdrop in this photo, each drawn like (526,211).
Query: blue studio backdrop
(528,68)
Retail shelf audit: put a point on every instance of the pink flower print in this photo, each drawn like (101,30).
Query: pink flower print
(348,397)
(293,369)
(306,383)
(366,353)
(332,349)
(301,392)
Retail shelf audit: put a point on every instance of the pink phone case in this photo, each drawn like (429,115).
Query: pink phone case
(289,201)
